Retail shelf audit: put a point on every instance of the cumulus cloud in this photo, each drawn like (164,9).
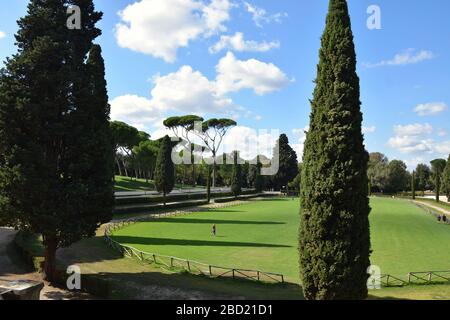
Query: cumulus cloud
(250,142)
(416,129)
(415,138)
(137,111)
(299,143)
(188,91)
(261,17)
(370,129)
(410,56)
(411,144)
(160,27)
(2,34)
(443,147)
(234,75)
(430,109)
(238,43)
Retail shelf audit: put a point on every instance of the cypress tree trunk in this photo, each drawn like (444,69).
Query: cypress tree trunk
(208,185)
(334,243)
(438,185)
(413,185)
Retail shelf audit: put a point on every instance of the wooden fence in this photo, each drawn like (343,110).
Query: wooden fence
(176,264)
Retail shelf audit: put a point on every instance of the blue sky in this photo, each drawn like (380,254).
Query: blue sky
(255,61)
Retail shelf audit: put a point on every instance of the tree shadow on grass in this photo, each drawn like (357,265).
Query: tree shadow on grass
(155,285)
(199,243)
(215,221)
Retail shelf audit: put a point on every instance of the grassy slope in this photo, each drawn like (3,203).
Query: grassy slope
(94,257)
(263,235)
(126,184)
(406,239)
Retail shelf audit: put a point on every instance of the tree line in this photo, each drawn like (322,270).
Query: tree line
(136,156)
(392,177)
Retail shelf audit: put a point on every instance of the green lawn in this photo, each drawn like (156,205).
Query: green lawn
(129,184)
(126,184)
(263,235)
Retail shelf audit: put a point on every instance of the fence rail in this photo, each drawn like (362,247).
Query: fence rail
(175,264)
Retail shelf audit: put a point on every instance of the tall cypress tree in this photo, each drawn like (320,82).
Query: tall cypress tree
(446,179)
(259,180)
(288,164)
(165,170)
(413,185)
(438,167)
(51,181)
(334,243)
(236,176)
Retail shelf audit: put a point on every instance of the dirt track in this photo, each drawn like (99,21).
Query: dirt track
(12,269)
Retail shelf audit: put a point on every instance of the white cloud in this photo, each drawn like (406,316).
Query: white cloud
(430,109)
(234,75)
(413,129)
(2,34)
(411,144)
(442,132)
(261,17)
(299,143)
(188,91)
(160,27)
(238,43)
(443,148)
(134,110)
(415,138)
(370,129)
(410,56)
(250,142)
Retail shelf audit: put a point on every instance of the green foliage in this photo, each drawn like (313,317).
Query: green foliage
(55,144)
(398,176)
(437,169)
(423,174)
(295,184)
(288,164)
(378,172)
(259,179)
(334,236)
(413,185)
(145,155)
(236,177)
(165,171)
(446,179)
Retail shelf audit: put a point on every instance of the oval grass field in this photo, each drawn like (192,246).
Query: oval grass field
(263,235)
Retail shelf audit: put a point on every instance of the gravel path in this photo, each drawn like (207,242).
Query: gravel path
(438,209)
